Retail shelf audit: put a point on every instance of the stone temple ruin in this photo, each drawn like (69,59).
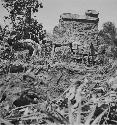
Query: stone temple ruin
(79,30)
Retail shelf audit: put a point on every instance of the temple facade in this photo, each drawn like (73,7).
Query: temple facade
(80,30)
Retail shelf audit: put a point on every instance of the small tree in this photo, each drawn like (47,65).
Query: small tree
(25,26)
(108,32)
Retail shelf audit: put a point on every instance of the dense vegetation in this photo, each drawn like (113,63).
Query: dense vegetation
(40,88)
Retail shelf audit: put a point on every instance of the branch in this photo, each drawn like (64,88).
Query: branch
(5,121)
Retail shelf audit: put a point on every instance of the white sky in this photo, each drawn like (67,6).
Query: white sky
(49,15)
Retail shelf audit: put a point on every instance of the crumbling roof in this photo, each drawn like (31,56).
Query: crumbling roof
(76,17)
(92,12)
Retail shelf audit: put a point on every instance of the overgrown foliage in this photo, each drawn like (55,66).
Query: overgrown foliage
(37,87)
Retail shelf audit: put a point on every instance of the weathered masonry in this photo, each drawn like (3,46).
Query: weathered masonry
(80,30)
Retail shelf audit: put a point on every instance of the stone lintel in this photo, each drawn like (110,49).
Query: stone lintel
(81,20)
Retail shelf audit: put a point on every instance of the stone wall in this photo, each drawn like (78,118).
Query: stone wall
(81,30)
